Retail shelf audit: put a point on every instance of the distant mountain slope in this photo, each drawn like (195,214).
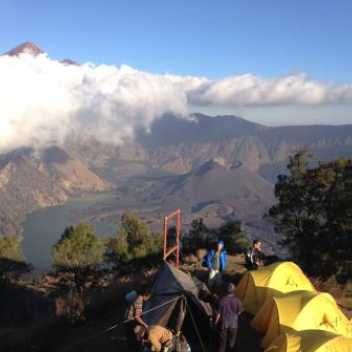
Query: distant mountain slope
(177,146)
(86,166)
(28,183)
(216,191)
(215,181)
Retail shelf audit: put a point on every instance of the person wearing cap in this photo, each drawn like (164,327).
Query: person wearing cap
(134,324)
(226,319)
(215,261)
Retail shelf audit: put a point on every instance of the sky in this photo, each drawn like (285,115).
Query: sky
(273,62)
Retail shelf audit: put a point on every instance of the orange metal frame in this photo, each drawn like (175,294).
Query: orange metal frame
(175,249)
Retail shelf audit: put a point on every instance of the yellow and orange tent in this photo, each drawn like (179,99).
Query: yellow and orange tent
(299,310)
(258,285)
(311,341)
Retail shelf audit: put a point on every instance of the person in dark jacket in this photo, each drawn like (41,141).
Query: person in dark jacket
(226,319)
(215,261)
(253,255)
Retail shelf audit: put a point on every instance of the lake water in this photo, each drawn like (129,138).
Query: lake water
(43,228)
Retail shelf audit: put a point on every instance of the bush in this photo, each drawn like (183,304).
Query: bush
(134,241)
(12,263)
(70,307)
(234,239)
(201,237)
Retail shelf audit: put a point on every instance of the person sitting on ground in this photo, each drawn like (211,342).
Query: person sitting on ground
(253,256)
(215,261)
(134,324)
(158,338)
(226,318)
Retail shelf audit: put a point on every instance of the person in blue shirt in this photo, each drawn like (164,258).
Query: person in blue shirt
(215,261)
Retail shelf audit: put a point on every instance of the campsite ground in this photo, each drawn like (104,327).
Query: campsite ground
(114,340)
(93,337)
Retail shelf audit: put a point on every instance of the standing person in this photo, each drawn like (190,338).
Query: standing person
(226,319)
(253,255)
(215,261)
(134,324)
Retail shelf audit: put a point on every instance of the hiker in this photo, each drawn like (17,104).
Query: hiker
(253,256)
(134,324)
(158,338)
(215,261)
(226,318)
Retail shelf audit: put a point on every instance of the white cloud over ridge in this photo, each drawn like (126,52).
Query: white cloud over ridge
(249,91)
(43,102)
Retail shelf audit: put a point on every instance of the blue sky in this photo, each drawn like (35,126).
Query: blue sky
(214,39)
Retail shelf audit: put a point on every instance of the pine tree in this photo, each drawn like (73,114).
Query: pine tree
(78,251)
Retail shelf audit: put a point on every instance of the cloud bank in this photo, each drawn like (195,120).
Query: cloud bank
(43,102)
(249,91)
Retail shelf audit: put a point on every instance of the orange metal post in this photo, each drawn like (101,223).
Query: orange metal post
(176,248)
(178,239)
(165,237)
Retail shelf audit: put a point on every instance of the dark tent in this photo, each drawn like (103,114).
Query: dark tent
(183,313)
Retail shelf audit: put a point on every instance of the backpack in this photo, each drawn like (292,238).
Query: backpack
(249,255)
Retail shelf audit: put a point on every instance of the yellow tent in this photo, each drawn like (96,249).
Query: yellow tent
(256,286)
(311,341)
(299,310)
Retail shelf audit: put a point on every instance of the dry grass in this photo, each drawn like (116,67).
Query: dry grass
(70,310)
(39,336)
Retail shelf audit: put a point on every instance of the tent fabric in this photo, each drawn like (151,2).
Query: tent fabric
(310,341)
(169,284)
(299,310)
(258,285)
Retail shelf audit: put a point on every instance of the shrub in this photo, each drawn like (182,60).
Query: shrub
(12,263)
(134,241)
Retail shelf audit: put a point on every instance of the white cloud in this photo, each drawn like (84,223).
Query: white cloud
(249,90)
(43,102)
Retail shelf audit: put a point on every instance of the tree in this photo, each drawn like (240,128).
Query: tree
(134,240)
(78,251)
(234,238)
(12,262)
(311,212)
(199,236)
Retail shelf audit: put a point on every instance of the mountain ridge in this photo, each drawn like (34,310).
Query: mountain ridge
(91,166)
